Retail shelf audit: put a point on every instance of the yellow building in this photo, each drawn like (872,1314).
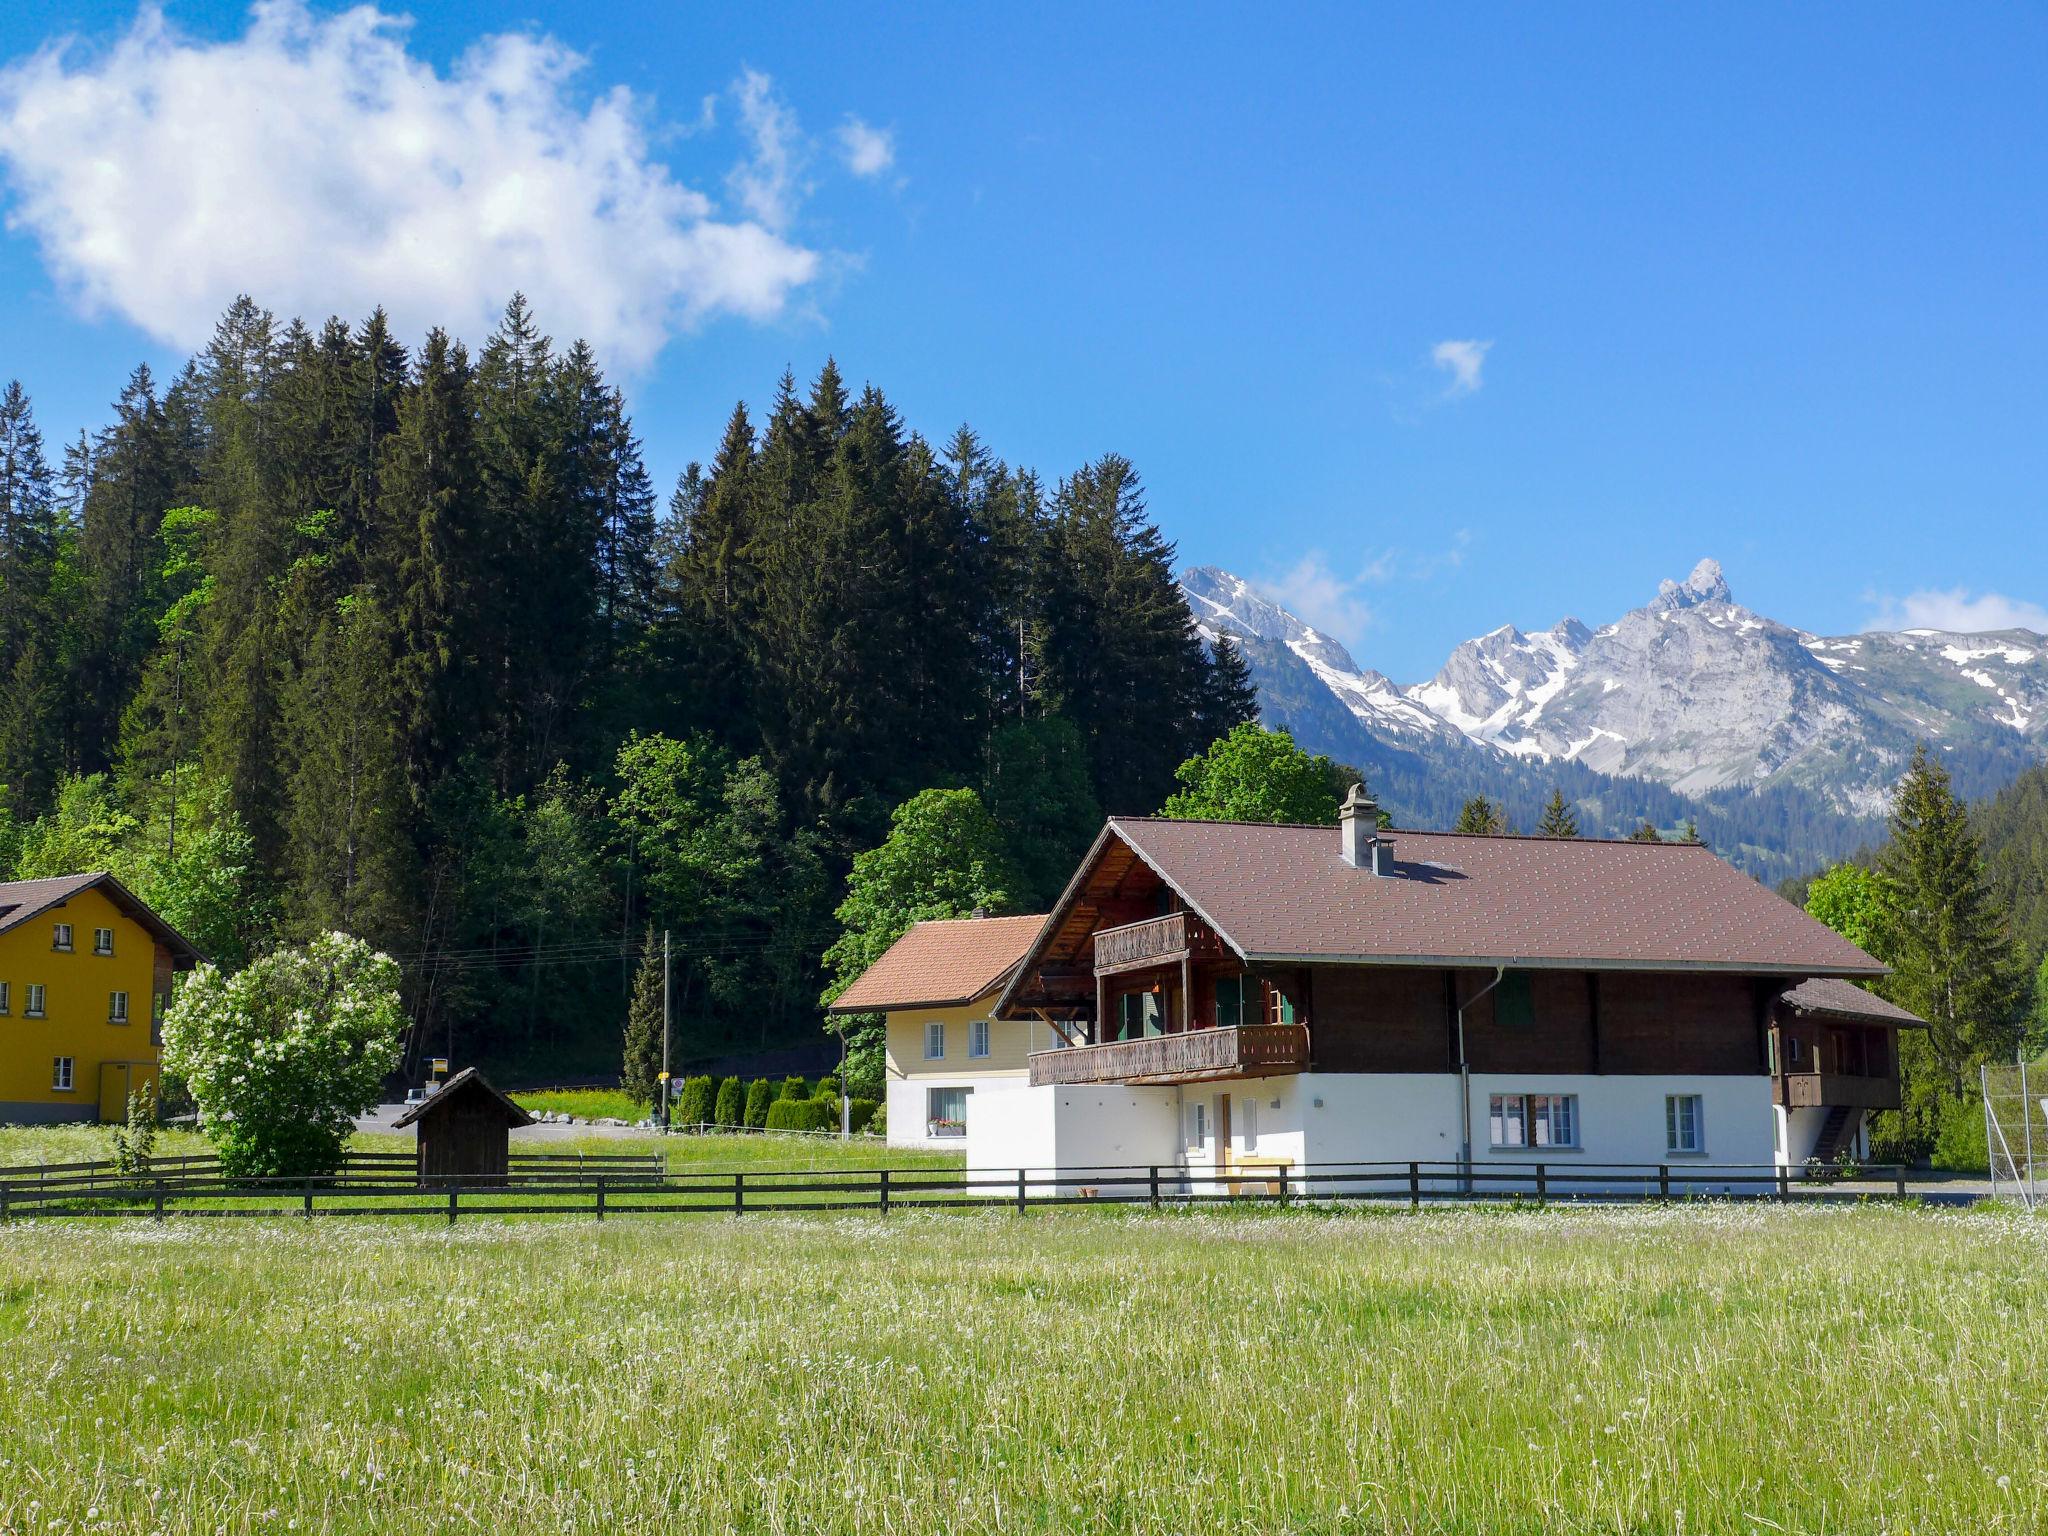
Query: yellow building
(85,976)
(936,988)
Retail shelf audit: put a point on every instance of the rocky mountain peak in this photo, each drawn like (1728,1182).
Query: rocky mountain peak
(1706,584)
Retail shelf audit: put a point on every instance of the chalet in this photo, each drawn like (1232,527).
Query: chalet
(936,989)
(1243,997)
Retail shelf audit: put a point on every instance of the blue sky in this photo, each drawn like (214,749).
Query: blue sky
(1425,319)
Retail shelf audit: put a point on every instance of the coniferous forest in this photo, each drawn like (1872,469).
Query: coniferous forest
(326,633)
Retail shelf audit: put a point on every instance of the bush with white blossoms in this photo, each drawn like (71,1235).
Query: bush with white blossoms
(282,1055)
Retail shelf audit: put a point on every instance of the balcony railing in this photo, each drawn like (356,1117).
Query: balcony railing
(1829,1090)
(1197,1055)
(1157,938)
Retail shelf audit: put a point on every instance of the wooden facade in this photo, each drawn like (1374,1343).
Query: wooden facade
(465,1131)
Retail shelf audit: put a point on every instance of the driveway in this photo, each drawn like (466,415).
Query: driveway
(381,1118)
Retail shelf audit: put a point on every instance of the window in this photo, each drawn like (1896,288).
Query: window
(935,1042)
(34,1000)
(1138,1016)
(1684,1125)
(1230,992)
(62,937)
(1533,1119)
(977,1038)
(946,1111)
(6,996)
(117,1007)
(1513,1007)
(1279,1007)
(1198,1124)
(103,941)
(60,1074)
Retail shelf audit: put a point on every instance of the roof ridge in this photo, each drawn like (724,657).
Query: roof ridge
(1325,826)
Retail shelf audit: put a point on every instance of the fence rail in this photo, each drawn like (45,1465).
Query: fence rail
(357,1167)
(369,1188)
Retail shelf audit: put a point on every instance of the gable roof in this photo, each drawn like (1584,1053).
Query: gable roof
(22,901)
(1284,895)
(1833,998)
(941,963)
(468,1082)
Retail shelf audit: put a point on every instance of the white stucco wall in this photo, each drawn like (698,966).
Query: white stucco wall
(1387,1118)
(906,1099)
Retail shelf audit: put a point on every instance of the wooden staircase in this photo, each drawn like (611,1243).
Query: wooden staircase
(1836,1132)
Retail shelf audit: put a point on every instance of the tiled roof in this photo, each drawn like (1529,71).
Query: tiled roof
(942,964)
(1285,893)
(1845,1000)
(23,900)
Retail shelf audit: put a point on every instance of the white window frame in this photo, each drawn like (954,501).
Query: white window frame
(64,1074)
(932,1119)
(34,1003)
(977,1040)
(1198,1124)
(935,1041)
(117,1007)
(103,941)
(1681,1139)
(1528,1122)
(6,997)
(60,937)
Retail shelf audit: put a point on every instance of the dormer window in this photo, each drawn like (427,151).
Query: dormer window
(61,937)
(103,941)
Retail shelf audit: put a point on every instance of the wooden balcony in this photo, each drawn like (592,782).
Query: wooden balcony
(1829,1090)
(1155,941)
(1196,1056)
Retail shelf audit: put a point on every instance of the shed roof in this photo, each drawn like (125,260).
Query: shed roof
(1831,997)
(942,963)
(468,1083)
(22,901)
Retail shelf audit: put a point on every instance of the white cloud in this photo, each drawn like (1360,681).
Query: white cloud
(315,163)
(765,182)
(1465,362)
(1959,611)
(1317,594)
(867,151)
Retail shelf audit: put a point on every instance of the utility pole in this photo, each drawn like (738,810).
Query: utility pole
(668,1099)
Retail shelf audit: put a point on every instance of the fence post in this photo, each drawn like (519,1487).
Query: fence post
(1020,1191)
(1899,1175)
(3,1202)
(454,1191)
(1663,1181)
(309,1198)
(884,1191)
(739,1193)
(1542,1183)
(1283,1185)
(1415,1186)
(600,1197)
(1784,1181)
(159,1199)
(1155,1186)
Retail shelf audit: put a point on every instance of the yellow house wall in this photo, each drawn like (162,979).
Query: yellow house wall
(77,987)
(1009,1041)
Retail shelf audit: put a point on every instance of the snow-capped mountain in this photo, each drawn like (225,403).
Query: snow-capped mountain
(1692,690)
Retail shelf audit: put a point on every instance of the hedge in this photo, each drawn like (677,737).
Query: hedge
(694,1107)
(803,1115)
(730,1107)
(794,1088)
(864,1113)
(759,1097)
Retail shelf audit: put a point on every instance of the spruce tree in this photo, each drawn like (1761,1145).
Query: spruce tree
(1953,962)
(1645,832)
(30,682)
(1559,820)
(641,1068)
(1481,817)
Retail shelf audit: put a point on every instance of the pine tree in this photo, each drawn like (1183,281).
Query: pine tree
(640,1073)
(1559,820)
(1233,697)
(1953,962)
(30,681)
(1481,817)
(1690,833)
(1645,832)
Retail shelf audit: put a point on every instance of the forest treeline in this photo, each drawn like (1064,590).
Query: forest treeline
(326,633)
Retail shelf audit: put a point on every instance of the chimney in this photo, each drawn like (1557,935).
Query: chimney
(1359,821)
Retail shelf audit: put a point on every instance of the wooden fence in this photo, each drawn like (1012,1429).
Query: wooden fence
(637,1186)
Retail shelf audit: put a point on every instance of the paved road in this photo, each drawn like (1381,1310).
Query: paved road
(380,1118)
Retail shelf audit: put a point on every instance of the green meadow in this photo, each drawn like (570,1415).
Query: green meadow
(1687,1368)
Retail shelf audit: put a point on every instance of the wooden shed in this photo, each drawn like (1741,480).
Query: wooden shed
(464,1130)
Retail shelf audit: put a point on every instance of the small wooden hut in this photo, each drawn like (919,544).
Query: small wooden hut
(464,1130)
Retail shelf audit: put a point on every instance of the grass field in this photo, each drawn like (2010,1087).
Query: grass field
(585,1103)
(1681,1369)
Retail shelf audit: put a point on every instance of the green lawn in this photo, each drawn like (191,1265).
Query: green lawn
(585,1103)
(1685,1369)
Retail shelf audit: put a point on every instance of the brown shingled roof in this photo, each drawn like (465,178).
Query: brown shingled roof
(941,964)
(1836,999)
(22,900)
(1284,893)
